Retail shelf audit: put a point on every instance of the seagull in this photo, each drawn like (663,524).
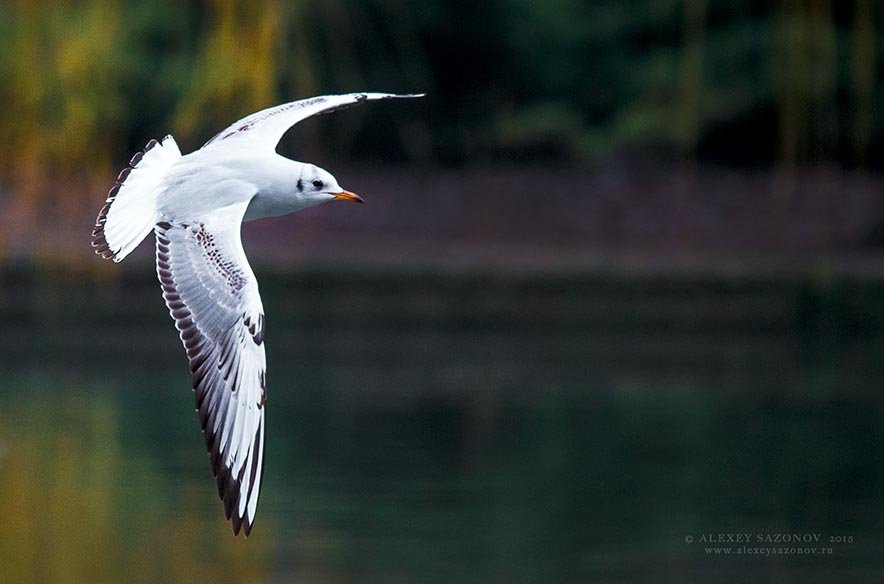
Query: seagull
(195,204)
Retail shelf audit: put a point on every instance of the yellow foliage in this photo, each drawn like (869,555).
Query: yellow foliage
(75,508)
(61,95)
(235,70)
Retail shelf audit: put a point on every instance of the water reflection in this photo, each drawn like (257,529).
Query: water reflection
(80,505)
(439,453)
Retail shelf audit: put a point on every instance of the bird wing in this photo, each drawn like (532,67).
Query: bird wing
(267,126)
(212,295)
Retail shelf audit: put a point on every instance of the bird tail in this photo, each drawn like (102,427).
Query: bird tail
(130,211)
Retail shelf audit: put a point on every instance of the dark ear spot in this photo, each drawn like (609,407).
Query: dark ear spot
(300,184)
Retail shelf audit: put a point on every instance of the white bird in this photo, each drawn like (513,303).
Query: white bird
(195,205)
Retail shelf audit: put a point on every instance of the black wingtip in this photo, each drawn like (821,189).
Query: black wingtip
(237,523)
(241,524)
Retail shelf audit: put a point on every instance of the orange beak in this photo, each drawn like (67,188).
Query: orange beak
(348,196)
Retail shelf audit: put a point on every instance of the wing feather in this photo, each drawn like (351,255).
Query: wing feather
(213,298)
(268,125)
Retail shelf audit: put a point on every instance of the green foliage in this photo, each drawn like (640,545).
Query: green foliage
(789,82)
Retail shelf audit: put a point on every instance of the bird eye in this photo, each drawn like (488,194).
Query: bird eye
(317,184)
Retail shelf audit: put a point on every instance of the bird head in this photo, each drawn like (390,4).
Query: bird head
(319,186)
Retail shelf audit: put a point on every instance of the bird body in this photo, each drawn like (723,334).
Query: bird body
(228,177)
(195,204)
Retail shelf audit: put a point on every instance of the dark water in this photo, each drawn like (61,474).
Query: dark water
(451,429)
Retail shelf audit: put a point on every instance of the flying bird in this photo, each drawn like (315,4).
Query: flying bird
(195,204)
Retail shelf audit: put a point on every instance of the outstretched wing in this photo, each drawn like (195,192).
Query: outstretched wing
(213,297)
(267,126)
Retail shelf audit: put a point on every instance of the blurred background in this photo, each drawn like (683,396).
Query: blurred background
(618,284)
